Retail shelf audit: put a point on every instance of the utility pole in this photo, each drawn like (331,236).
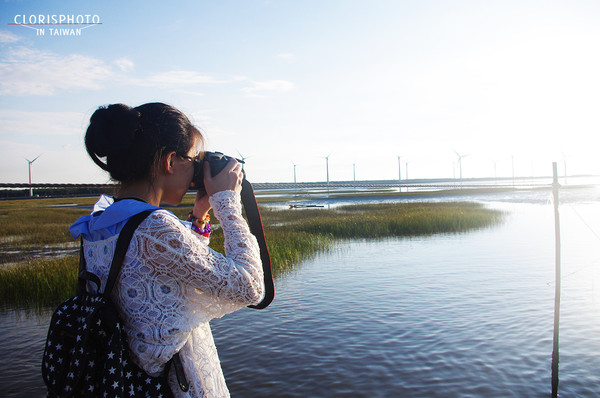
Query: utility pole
(557,283)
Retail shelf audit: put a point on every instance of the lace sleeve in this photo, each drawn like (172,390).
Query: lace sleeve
(184,269)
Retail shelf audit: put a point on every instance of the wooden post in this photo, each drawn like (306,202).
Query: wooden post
(555,187)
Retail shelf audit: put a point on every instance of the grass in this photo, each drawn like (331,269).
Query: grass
(39,283)
(292,236)
(32,223)
(384,220)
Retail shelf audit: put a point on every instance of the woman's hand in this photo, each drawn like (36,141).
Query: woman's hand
(230,178)
(201,206)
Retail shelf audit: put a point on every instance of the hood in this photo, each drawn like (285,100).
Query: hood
(107,218)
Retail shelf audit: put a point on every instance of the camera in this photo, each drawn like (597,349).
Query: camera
(217,162)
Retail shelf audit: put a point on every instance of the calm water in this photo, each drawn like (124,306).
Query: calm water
(462,315)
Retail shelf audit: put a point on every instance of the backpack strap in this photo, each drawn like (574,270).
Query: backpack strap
(84,275)
(122,246)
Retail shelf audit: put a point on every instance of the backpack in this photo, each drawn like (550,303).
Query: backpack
(86,352)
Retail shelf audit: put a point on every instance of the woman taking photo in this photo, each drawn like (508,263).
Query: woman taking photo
(171,283)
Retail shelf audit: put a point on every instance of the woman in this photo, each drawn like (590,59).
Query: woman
(171,283)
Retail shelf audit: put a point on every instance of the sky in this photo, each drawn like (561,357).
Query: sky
(380,87)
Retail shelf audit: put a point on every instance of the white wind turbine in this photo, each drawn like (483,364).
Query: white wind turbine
(460,163)
(399,173)
(294,172)
(30,162)
(243,159)
(327,167)
(495,161)
(564,158)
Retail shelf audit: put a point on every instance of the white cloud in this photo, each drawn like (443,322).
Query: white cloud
(8,37)
(200,117)
(288,56)
(261,88)
(189,92)
(125,64)
(19,123)
(26,71)
(56,136)
(182,77)
(54,165)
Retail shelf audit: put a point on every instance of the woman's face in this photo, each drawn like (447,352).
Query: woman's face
(179,181)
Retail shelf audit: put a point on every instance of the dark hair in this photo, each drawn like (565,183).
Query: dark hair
(133,140)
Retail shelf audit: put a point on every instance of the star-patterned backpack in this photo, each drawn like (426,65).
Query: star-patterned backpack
(86,353)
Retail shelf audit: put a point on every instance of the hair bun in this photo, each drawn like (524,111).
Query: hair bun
(112,130)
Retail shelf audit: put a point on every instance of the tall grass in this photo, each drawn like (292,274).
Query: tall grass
(385,220)
(39,283)
(28,223)
(291,247)
(23,228)
(292,236)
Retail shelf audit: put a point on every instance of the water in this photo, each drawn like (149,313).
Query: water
(462,315)
(22,338)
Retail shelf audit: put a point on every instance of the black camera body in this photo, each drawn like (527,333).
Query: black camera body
(217,162)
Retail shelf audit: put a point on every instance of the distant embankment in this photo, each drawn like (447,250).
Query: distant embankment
(23,190)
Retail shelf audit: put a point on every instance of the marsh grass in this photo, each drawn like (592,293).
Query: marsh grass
(29,227)
(28,223)
(385,220)
(39,283)
(292,235)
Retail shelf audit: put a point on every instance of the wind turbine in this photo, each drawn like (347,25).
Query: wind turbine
(29,164)
(327,166)
(565,165)
(399,174)
(294,172)
(460,163)
(512,165)
(242,158)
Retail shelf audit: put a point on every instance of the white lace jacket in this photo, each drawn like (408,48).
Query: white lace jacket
(172,284)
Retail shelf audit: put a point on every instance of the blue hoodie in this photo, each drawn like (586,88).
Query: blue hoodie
(108,218)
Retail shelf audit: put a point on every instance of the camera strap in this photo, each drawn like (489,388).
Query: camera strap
(256,227)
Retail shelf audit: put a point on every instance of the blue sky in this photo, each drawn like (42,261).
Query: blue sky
(290,82)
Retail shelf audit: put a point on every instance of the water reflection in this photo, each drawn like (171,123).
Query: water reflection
(466,315)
